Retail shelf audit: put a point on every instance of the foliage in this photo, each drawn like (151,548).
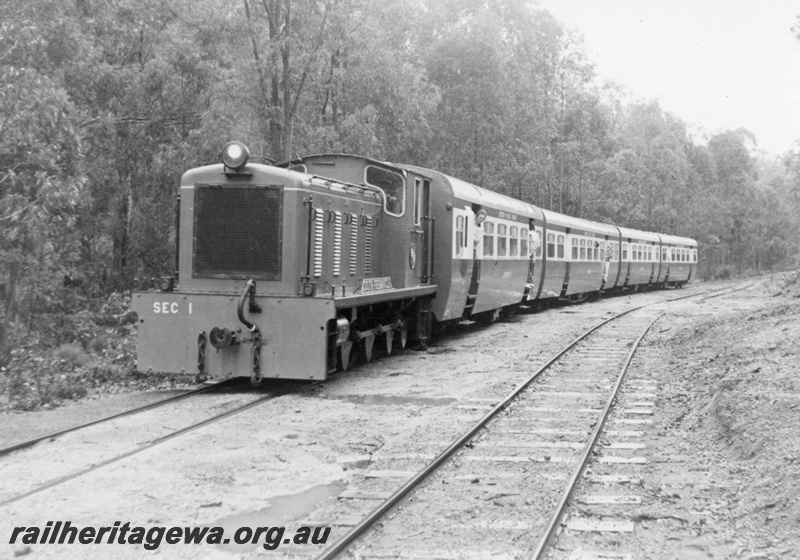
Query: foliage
(104,104)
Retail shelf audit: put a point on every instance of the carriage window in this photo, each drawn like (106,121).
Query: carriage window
(601,251)
(633,252)
(560,246)
(574,249)
(616,251)
(650,253)
(694,255)
(624,251)
(663,254)
(513,241)
(640,249)
(502,240)
(523,242)
(551,246)
(461,235)
(583,249)
(393,186)
(488,238)
(539,248)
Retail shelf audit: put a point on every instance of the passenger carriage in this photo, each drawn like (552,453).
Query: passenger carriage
(680,257)
(639,258)
(483,273)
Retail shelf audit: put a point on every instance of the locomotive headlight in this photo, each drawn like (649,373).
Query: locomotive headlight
(235,155)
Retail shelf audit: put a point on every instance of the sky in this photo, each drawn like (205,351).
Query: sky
(715,64)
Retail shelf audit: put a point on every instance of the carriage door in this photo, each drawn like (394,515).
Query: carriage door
(423,226)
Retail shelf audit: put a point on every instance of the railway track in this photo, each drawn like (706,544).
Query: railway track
(51,435)
(515,469)
(24,474)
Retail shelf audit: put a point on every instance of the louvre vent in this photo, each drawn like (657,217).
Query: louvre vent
(353,244)
(337,243)
(318,231)
(368,247)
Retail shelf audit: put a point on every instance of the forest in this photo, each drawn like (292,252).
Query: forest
(104,104)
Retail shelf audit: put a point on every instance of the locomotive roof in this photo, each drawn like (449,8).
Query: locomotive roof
(214,172)
(301,159)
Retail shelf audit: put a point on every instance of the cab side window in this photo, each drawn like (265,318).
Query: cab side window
(393,186)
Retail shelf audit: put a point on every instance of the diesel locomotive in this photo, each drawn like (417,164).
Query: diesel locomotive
(295,270)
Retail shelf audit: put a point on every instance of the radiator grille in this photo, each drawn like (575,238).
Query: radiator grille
(237,231)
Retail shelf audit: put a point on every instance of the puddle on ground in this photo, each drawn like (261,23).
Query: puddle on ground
(394,400)
(282,512)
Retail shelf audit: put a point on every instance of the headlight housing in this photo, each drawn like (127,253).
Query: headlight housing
(235,155)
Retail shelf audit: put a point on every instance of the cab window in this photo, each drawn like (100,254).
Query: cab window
(393,186)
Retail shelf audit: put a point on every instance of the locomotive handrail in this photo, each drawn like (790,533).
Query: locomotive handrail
(249,289)
(330,183)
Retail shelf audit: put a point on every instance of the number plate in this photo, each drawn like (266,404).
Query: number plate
(376,285)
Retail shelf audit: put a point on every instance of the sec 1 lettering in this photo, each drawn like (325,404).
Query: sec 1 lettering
(165,307)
